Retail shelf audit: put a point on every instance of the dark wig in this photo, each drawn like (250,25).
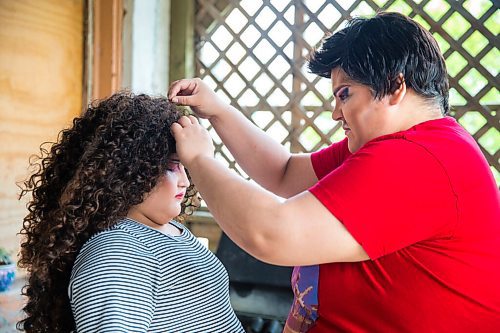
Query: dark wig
(112,156)
(375,51)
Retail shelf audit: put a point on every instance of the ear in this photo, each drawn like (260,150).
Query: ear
(397,95)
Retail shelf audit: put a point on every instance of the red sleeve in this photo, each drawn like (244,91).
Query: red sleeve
(389,195)
(329,158)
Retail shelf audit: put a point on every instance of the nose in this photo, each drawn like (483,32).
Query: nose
(183,180)
(336,112)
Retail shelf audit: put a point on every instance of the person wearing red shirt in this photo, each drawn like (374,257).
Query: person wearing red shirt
(395,228)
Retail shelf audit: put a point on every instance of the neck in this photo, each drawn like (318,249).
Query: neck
(163,226)
(414,110)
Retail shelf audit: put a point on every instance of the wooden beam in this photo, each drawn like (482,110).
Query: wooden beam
(181,39)
(107,55)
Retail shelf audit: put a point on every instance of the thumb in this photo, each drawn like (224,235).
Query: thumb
(175,129)
(184,100)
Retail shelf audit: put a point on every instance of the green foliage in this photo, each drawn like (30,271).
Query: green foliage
(5,258)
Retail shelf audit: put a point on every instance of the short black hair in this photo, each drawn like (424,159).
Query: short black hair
(374,51)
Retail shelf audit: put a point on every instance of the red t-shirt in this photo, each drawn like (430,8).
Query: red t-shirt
(424,205)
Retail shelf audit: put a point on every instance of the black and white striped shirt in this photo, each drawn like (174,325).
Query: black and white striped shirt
(133,278)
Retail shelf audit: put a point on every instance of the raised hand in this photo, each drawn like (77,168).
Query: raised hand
(196,94)
(192,140)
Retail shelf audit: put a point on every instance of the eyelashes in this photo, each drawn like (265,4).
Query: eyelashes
(173,166)
(343,94)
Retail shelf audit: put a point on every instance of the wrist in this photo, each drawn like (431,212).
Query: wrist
(197,162)
(223,111)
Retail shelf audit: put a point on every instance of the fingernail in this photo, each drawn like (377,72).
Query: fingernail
(175,100)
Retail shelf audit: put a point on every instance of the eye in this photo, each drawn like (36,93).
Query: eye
(343,94)
(173,166)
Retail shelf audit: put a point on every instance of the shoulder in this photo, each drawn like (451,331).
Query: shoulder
(392,152)
(435,149)
(114,271)
(389,167)
(120,248)
(121,238)
(329,158)
(391,162)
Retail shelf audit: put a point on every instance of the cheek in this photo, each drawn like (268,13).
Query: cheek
(353,115)
(166,187)
(361,114)
(163,189)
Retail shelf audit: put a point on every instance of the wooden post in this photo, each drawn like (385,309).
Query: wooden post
(298,61)
(181,39)
(107,55)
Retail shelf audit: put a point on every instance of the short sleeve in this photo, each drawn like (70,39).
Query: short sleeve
(329,158)
(113,285)
(389,195)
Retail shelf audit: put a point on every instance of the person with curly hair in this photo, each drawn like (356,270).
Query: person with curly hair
(101,247)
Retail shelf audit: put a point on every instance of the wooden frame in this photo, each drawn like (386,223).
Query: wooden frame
(181,39)
(106,57)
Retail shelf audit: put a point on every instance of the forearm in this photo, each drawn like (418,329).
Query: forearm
(271,229)
(247,213)
(261,157)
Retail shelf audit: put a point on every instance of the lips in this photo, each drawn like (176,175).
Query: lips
(346,129)
(180,195)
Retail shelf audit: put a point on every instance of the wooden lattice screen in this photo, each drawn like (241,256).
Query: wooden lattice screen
(252,53)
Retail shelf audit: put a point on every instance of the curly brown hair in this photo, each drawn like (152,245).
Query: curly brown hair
(85,183)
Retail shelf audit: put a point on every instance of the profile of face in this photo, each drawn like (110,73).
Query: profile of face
(163,202)
(363,117)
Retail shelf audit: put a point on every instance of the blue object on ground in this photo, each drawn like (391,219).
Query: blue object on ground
(7,275)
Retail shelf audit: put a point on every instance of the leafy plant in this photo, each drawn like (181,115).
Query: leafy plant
(5,258)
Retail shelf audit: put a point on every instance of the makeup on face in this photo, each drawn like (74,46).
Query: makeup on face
(355,108)
(175,166)
(341,94)
(180,195)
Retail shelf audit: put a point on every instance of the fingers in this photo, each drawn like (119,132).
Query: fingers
(183,100)
(184,87)
(181,92)
(175,88)
(186,121)
(175,129)
(192,140)
(183,122)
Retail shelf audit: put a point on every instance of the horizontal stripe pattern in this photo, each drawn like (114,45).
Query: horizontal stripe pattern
(132,278)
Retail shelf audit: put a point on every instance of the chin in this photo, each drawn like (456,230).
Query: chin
(177,213)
